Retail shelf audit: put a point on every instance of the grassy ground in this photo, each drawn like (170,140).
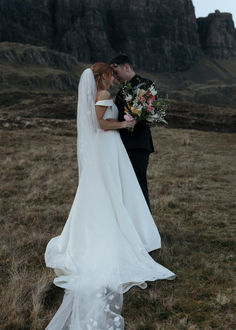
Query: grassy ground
(192,190)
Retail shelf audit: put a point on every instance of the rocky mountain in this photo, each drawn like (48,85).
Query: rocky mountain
(17,53)
(27,67)
(218,35)
(159,35)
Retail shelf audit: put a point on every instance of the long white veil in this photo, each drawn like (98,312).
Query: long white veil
(86,269)
(87,123)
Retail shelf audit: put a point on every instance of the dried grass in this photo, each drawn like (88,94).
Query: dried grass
(192,185)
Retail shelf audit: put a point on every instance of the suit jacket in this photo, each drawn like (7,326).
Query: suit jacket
(141,137)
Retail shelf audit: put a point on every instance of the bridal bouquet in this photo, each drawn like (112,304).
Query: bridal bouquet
(144,105)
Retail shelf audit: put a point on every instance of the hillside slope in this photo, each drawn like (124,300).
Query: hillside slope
(32,68)
(43,83)
(26,67)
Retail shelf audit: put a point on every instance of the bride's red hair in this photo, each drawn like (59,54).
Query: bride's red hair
(99,69)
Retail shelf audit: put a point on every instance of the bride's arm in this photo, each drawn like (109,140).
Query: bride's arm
(109,124)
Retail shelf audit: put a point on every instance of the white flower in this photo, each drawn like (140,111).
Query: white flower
(153,90)
(155,116)
(140,92)
(128,98)
(139,107)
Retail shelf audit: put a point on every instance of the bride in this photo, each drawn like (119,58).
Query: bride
(103,248)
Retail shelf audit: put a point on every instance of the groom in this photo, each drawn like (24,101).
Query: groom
(138,143)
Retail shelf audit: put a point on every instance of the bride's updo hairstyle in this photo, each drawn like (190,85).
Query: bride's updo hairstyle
(100,70)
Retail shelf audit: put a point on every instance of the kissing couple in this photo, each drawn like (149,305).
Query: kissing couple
(103,249)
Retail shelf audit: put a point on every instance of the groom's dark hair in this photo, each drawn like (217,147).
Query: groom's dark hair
(121,59)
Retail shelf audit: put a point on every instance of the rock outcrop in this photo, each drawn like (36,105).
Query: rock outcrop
(157,36)
(16,53)
(30,67)
(218,35)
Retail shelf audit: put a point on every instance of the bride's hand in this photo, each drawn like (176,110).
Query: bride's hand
(128,123)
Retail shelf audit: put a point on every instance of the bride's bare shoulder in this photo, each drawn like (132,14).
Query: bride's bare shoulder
(103,95)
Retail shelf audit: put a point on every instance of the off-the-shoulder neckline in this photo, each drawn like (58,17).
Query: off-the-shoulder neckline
(105,100)
(105,103)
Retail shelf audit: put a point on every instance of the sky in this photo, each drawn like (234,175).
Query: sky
(205,7)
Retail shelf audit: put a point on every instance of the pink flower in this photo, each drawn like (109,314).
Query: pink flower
(142,99)
(150,99)
(149,108)
(128,117)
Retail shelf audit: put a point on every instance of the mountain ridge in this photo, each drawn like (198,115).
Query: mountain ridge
(160,37)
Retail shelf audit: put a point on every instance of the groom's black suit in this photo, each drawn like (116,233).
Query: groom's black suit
(138,143)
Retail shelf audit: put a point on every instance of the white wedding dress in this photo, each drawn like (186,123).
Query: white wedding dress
(103,249)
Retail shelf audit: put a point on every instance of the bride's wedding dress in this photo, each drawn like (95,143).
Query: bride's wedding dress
(103,249)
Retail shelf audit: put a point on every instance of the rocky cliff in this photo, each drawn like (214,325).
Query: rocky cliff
(218,35)
(158,35)
(27,67)
(16,53)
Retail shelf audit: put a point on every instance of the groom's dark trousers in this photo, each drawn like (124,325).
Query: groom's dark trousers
(138,143)
(139,159)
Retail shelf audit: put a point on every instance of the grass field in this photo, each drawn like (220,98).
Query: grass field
(192,190)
